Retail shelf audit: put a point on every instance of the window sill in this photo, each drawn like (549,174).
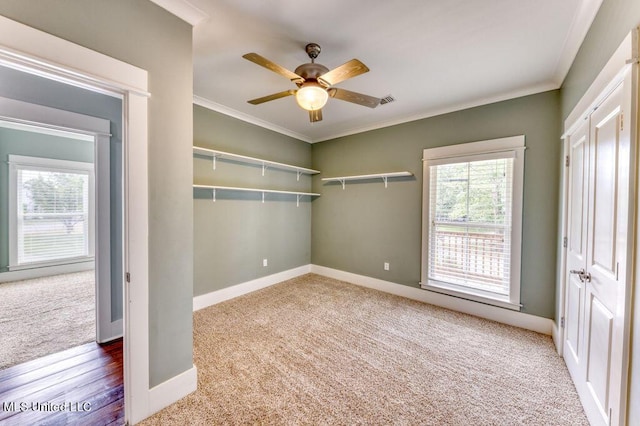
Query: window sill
(481,297)
(50,263)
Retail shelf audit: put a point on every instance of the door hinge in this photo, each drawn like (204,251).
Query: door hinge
(128,277)
(562,322)
(565,241)
(566,161)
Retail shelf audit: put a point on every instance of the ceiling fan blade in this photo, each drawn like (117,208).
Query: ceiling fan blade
(264,62)
(272,97)
(345,71)
(353,97)
(315,115)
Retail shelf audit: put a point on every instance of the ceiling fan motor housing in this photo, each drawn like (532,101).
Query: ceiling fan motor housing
(311,72)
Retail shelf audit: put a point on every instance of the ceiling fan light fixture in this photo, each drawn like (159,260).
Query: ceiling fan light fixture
(311,96)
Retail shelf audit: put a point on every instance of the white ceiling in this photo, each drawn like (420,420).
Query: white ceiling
(432,56)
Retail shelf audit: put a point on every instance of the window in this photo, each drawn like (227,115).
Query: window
(472,213)
(51,212)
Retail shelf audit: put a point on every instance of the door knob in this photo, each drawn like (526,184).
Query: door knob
(582,274)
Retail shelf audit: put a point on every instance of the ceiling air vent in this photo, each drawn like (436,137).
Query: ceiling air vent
(387,99)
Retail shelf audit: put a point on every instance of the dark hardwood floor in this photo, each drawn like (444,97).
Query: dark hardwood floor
(80,386)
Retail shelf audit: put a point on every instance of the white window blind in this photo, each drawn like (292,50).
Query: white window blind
(470,212)
(52,212)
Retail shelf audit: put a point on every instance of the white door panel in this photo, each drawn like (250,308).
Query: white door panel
(573,329)
(598,369)
(576,248)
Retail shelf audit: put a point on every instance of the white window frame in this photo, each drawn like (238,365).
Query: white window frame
(471,152)
(21,162)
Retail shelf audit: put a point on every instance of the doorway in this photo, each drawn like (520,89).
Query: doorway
(59,231)
(27,49)
(62,236)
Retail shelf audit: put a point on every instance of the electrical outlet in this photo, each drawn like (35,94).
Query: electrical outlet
(265,262)
(386,266)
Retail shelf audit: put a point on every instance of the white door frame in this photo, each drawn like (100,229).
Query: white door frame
(614,72)
(36,52)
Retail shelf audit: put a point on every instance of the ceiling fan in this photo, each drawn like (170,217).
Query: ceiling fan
(315,83)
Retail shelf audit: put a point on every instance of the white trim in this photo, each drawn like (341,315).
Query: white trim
(183,10)
(564,232)
(215,297)
(582,20)
(508,143)
(30,50)
(51,131)
(214,106)
(610,77)
(557,338)
(136,258)
(43,119)
(46,271)
(168,392)
(504,316)
(36,52)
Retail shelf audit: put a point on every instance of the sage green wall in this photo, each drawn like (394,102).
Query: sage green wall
(234,234)
(17,142)
(365,225)
(612,24)
(143,34)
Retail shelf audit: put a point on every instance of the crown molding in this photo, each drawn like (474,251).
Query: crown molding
(545,87)
(203,102)
(214,106)
(183,10)
(580,25)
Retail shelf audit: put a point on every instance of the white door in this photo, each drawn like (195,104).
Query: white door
(578,196)
(596,259)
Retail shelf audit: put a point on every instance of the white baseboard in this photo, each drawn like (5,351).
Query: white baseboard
(202,301)
(174,389)
(45,271)
(501,315)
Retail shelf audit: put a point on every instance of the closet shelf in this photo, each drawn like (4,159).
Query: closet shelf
(214,188)
(383,176)
(252,160)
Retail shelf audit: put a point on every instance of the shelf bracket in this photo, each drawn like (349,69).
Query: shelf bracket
(264,168)
(298,196)
(298,173)
(385,178)
(214,161)
(213,193)
(342,181)
(262,197)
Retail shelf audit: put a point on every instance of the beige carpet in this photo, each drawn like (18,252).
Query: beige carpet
(45,315)
(313,350)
